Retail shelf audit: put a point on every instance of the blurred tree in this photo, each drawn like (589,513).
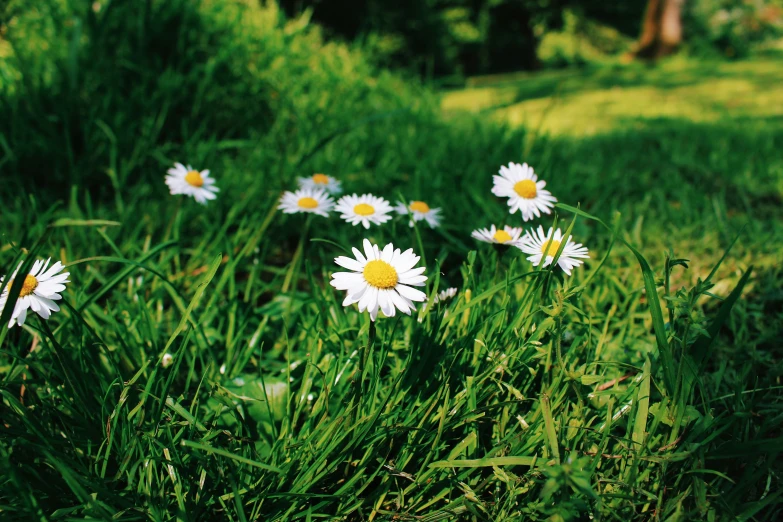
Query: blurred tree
(661,29)
(438,38)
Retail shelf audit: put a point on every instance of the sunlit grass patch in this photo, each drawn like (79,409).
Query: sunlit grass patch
(602,99)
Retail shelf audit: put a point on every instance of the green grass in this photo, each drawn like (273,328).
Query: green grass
(598,99)
(527,397)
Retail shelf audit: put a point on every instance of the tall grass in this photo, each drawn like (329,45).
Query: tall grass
(641,388)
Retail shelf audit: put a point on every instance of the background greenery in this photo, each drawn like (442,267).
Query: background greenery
(533,398)
(448,39)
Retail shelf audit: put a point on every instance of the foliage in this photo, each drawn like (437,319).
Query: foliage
(445,39)
(579,42)
(179,74)
(732,27)
(529,396)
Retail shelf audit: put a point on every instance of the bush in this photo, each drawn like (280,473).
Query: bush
(732,27)
(581,41)
(113,92)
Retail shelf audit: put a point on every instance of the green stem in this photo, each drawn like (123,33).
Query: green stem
(363,360)
(290,277)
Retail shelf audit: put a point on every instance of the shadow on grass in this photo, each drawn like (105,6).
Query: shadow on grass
(764,72)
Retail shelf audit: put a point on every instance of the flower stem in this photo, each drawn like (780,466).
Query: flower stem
(361,386)
(290,279)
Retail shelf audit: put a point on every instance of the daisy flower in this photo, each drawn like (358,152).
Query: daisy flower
(525,193)
(364,209)
(381,279)
(198,184)
(40,290)
(321,181)
(419,210)
(306,200)
(541,246)
(505,236)
(445,294)
(437,298)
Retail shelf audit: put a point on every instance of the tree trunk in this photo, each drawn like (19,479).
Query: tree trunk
(661,29)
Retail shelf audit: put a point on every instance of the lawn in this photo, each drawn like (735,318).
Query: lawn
(602,98)
(203,368)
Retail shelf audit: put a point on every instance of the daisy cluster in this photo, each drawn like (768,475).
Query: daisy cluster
(378,279)
(315,196)
(384,279)
(526,193)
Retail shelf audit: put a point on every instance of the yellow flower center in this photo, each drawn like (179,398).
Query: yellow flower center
(321,179)
(29,285)
(194,178)
(420,206)
(501,236)
(526,188)
(363,209)
(380,274)
(307,203)
(550,247)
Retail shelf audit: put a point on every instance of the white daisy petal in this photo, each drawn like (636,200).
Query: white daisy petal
(346,280)
(20,317)
(412,272)
(355,297)
(369,251)
(350,264)
(387,253)
(406,261)
(370,299)
(37,267)
(413,280)
(358,255)
(385,302)
(402,304)
(48,303)
(411,293)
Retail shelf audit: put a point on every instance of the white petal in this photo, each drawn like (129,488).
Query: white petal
(350,264)
(413,280)
(368,249)
(407,261)
(410,293)
(367,298)
(413,272)
(388,252)
(385,302)
(47,288)
(354,296)
(403,304)
(21,317)
(346,280)
(48,303)
(359,256)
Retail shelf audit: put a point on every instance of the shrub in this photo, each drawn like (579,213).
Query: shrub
(113,92)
